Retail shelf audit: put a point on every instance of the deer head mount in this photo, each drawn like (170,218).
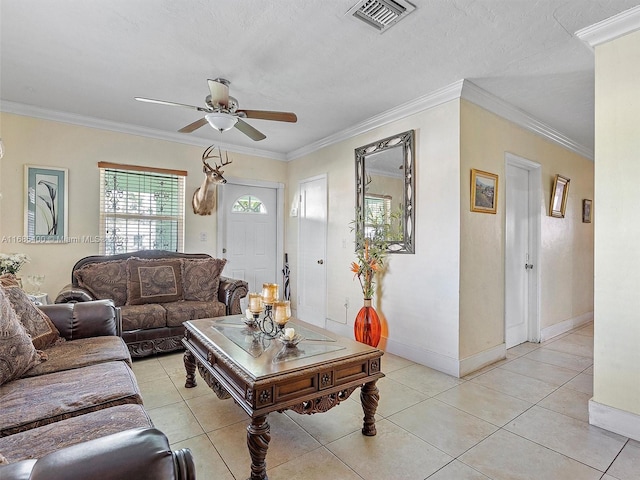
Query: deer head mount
(204,198)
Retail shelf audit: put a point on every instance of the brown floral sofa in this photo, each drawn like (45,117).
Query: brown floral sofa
(156,291)
(69,397)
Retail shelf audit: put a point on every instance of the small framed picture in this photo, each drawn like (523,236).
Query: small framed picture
(46,201)
(586,211)
(559,194)
(484,191)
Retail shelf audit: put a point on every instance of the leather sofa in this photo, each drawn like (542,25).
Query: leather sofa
(75,410)
(140,454)
(156,291)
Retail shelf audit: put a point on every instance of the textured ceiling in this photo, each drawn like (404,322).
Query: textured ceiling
(91,58)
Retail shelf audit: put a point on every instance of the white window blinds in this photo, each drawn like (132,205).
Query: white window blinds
(141,208)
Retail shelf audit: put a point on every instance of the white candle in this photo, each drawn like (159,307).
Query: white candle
(289,333)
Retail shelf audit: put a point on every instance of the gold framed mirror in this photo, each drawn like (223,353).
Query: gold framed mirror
(385,189)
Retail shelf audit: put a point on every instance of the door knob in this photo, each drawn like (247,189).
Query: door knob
(320,262)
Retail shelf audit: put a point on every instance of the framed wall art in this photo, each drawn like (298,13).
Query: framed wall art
(46,203)
(586,211)
(559,194)
(484,191)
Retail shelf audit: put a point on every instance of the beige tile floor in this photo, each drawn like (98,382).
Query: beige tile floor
(525,417)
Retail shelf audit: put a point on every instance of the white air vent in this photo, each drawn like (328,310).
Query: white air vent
(381,14)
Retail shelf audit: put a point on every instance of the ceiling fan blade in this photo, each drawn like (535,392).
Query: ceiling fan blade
(194,126)
(172,104)
(249,131)
(267,115)
(219,89)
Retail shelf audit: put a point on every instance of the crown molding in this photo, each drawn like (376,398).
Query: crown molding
(438,97)
(610,28)
(484,99)
(460,89)
(81,120)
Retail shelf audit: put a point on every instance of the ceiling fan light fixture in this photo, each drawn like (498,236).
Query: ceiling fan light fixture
(221,121)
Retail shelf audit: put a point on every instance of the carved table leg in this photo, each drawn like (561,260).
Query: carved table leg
(258,438)
(369,396)
(190,367)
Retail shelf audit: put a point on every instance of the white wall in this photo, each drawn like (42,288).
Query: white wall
(29,140)
(617,234)
(420,298)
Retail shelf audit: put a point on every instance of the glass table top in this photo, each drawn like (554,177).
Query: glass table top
(259,345)
(262,357)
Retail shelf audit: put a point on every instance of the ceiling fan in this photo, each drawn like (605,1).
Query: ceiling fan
(222,112)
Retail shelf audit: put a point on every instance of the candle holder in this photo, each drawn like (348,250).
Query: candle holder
(269,296)
(256,307)
(266,324)
(282,312)
(270,293)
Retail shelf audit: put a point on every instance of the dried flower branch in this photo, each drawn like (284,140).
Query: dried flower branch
(371,251)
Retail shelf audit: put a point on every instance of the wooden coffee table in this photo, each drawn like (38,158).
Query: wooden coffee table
(263,375)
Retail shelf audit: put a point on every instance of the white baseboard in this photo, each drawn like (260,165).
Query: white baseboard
(437,361)
(562,327)
(482,359)
(615,420)
(433,360)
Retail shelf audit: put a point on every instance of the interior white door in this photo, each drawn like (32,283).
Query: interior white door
(517,262)
(312,273)
(249,238)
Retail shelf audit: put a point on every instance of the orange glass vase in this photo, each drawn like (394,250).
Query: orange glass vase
(367,328)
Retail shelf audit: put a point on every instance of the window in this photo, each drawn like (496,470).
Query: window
(249,204)
(377,210)
(141,208)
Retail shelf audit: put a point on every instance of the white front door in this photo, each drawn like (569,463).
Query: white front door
(312,271)
(523,218)
(249,234)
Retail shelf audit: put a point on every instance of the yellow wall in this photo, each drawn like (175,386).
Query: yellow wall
(617,255)
(566,256)
(29,140)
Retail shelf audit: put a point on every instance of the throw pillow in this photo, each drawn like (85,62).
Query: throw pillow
(153,281)
(201,278)
(9,280)
(105,280)
(41,329)
(17,353)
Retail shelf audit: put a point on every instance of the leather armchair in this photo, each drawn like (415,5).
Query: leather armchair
(140,454)
(83,320)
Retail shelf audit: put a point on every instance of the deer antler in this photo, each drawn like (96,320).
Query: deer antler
(227,162)
(210,153)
